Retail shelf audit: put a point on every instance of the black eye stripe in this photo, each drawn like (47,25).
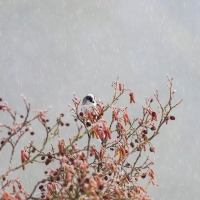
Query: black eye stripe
(89,98)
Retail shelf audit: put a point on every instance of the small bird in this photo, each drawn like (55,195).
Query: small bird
(89,100)
(89,104)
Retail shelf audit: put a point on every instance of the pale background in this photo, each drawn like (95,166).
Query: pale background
(50,49)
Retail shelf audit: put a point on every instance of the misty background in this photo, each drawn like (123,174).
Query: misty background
(51,49)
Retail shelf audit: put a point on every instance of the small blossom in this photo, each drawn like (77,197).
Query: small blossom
(120,87)
(154,116)
(132,99)
(94,152)
(107,133)
(7,196)
(100,110)
(126,118)
(114,115)
(92,183)
(120,128)
(68,176)
(76,100)
(121,152)
(115,83)
(61,145)
(91,117)
(94,131)
(14,189)
(24,158)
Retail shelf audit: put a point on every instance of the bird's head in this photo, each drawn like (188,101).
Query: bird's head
(89,99)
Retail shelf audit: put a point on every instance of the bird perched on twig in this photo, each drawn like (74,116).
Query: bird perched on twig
(90,107)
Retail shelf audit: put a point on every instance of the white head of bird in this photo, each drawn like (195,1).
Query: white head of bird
(89,100)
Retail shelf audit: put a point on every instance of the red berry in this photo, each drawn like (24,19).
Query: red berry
(132,144)
(152,149)
(143,175)
(172,118)
(41,186)
(145,131)
(101,187)
(43,157)
(67,124)
(153,128)
(153,114)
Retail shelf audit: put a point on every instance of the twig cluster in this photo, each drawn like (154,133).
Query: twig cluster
(108,172)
